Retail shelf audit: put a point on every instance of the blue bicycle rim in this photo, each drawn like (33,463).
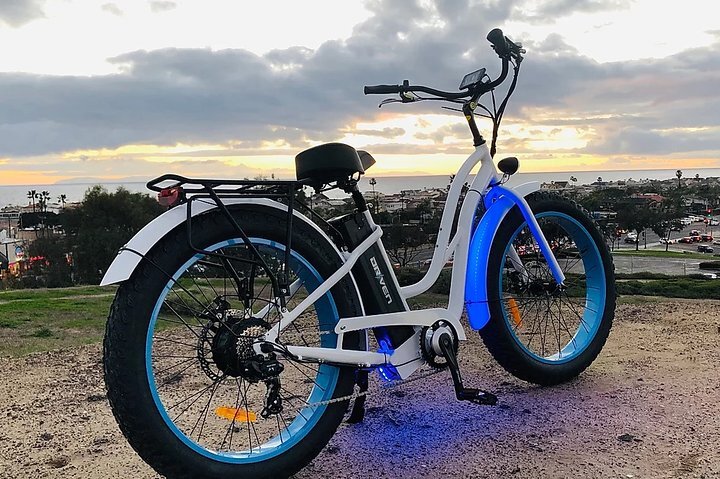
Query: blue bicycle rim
(325,380)
(595,290)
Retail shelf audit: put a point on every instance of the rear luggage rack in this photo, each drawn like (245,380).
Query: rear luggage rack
(252,188)
(174,190)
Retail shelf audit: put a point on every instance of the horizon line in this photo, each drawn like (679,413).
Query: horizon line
(121,181)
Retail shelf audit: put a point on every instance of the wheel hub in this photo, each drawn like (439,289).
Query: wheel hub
(539,287)
(232,347)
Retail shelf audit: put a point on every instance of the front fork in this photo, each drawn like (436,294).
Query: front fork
(497,191)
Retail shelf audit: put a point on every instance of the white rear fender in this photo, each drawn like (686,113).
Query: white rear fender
(131,254)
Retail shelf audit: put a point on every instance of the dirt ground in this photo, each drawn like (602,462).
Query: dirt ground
(649,407)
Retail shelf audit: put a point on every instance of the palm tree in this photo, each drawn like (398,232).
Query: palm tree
(62,199)
(373,182)
(678,173)
(44,198)
(31,196)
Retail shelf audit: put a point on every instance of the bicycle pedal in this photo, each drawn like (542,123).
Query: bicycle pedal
(477,396)
(473,395)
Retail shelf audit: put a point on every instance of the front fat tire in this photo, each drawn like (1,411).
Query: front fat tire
(497,334)
(124,350)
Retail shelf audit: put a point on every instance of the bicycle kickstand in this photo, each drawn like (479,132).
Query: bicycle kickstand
(473,395)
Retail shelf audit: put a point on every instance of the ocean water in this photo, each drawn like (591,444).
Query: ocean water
(17,195)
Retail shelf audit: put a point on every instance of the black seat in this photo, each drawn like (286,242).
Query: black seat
(331,162)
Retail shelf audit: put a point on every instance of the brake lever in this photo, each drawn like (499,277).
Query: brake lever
(405,97)
(389,100)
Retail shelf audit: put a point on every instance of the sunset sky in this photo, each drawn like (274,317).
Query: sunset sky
(137,88)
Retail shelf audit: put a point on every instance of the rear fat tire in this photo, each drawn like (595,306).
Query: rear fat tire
(498,335)
(125,341)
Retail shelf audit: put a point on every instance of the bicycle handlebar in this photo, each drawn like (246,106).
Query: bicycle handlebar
(381,89)
(499,42)
(406,87)
(502,45)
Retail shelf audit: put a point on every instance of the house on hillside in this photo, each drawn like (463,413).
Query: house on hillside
(555,186)
(649,200)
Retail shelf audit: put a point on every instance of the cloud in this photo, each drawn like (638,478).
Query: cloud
(122,166)
(159,6)
(16,13)
(288,99)
(112,8)
(383,133)
(549,10)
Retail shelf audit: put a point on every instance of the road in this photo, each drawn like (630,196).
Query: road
(669,266)
(635,264)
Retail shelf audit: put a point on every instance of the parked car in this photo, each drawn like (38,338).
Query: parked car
(710,275)
(685,239)
(632,239)
(704,248)
(706,237)
(694,233)
(716,242)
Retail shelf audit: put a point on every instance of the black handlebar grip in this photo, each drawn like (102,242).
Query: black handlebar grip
(381,89)
(498,40)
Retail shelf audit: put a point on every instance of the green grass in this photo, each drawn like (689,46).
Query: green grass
(678,287)
(40,320)
(54,293)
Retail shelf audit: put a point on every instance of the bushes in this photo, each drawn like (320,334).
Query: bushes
(680,287)
(709,265)
(654,284)
(408,276)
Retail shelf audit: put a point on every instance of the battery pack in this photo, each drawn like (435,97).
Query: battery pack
(374,278)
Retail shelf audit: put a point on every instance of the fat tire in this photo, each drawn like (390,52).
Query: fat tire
(127,326)
(498,337)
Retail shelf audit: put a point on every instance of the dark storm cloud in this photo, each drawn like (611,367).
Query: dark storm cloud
(19,12)
(237,98)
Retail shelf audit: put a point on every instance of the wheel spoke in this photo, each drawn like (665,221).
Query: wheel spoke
(190,332)
(541,317)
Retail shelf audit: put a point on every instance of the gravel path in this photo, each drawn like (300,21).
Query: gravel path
(649,407)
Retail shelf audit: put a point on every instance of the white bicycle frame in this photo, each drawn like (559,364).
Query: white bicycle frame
(405,358)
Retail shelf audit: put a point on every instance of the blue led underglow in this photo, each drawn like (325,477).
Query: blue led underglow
(388,372)
(476,299)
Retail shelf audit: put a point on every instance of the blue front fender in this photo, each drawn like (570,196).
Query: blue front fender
(476,291)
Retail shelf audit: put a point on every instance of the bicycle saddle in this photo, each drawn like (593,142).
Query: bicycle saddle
(331,162)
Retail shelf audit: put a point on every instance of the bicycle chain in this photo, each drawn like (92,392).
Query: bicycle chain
(390,385)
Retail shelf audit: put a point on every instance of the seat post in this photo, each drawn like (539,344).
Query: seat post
(359,199)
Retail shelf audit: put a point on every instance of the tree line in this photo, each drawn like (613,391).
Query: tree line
(77,245)
(93,231)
